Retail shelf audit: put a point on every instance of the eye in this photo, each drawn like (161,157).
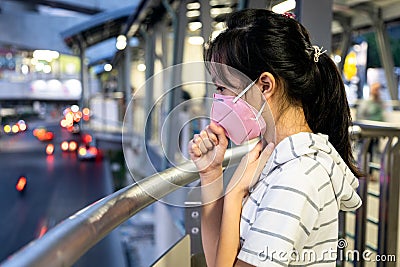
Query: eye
(220,89)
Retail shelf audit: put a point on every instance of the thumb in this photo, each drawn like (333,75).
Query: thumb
(219,131)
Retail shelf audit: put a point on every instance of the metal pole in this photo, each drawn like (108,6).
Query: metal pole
(345,44)
(316,16)
(392,225)
(385,52)
(361,216)
(383,196)
(128,91)
(179,22)
(252,4)
(149,62)
(82,75)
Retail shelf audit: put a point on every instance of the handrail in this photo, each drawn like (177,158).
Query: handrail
(89,225)
(367,128)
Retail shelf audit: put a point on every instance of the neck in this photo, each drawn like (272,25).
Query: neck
(290,122)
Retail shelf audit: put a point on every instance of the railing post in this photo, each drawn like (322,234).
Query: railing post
(392,226)
(384,179)
(361,216)
(342,235)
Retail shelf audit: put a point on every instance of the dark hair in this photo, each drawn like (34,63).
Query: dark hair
(258,40)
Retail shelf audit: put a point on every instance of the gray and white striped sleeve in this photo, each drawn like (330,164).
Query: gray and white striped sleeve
(286,215)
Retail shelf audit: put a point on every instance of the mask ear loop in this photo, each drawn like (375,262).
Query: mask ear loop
(243,92)
(261,110)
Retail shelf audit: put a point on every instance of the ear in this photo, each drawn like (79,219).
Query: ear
(267,84)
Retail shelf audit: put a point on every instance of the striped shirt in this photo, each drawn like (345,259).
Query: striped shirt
(291,216)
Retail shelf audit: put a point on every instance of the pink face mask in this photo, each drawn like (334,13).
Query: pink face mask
(240,120)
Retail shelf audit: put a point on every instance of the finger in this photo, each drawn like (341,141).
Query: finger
(267,152)
(206,140)
(254,154)
(200,143)
(213,138)
(194,149)
(220,132)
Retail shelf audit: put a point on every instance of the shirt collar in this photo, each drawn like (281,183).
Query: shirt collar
(295,146)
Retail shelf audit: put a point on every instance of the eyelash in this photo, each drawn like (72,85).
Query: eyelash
(220,88)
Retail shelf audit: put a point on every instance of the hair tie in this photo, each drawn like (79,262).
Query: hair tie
(289,15)
(317,52)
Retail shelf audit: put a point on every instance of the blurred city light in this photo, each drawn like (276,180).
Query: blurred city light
(193,13)
(86,111)
(47,55)
(22,127)
(107,67)
(194,26)
(74,108)
(72,146)
(7,128)
(82,151)
(63,123)
(49,149)
(39,66)
(46,68)
(21,183)
(218,11)
(24,69)
(284,6)
(64,146)
(141,67)
(337,58)
(194,5)
(15,128)
(121,42)
(196,40)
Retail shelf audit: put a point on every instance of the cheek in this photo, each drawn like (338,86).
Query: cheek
(229,92)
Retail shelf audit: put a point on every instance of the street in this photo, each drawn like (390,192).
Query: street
(57,186)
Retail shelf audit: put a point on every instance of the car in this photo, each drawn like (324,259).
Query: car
(69,145)
(88,149)
(88,152)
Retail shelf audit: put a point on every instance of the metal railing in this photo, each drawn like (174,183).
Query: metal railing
(89,225)
(366,134)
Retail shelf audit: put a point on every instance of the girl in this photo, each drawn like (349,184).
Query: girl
(304,176)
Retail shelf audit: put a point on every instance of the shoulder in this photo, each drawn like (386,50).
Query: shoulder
(303,176)
(303,172)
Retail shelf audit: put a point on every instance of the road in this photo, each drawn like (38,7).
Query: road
(57,187)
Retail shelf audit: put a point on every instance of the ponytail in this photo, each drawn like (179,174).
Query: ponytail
(328,111)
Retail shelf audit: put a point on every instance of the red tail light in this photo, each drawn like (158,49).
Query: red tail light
(49,135)
(73,146)
(21,183)
(87,138)
(93,150)
(64,146)
(50,149)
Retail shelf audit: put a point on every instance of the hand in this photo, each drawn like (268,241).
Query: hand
(207,149)
(249,169)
